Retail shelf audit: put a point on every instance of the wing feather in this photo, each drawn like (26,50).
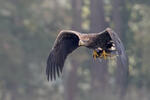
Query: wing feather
(122,58)
(65,43)
(119,45)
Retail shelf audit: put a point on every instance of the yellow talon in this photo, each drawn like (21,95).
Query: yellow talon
(95,54)
(104,54)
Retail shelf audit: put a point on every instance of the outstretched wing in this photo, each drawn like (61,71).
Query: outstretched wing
(65,43)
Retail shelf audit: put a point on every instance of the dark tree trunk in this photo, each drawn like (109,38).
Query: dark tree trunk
(97,17)
(118,14)
(72,81)
(98,68)
(120,21)
(76,14)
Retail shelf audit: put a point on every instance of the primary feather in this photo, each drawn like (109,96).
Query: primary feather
(66,42)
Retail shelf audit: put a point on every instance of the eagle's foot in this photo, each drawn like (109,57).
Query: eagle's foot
(104,54)
(95,54)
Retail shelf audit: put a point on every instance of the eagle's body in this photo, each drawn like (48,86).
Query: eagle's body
(67,41)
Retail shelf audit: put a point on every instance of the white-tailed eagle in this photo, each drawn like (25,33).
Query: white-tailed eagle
(103,44)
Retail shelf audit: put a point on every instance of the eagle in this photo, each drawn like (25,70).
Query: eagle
(104,44)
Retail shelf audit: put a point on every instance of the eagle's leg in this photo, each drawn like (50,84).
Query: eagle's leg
(95,54)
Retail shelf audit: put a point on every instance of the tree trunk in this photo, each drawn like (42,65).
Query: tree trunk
(97,17)
(98,68)
(118,16)
(120,20)
(72,81)
(76,14)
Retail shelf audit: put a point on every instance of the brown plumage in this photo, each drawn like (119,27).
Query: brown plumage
(67,41)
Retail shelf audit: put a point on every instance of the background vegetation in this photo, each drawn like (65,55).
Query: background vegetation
(28,29)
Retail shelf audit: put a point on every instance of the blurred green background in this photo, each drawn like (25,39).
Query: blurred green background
(28,29)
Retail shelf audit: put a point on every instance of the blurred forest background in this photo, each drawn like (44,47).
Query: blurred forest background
(28,29)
